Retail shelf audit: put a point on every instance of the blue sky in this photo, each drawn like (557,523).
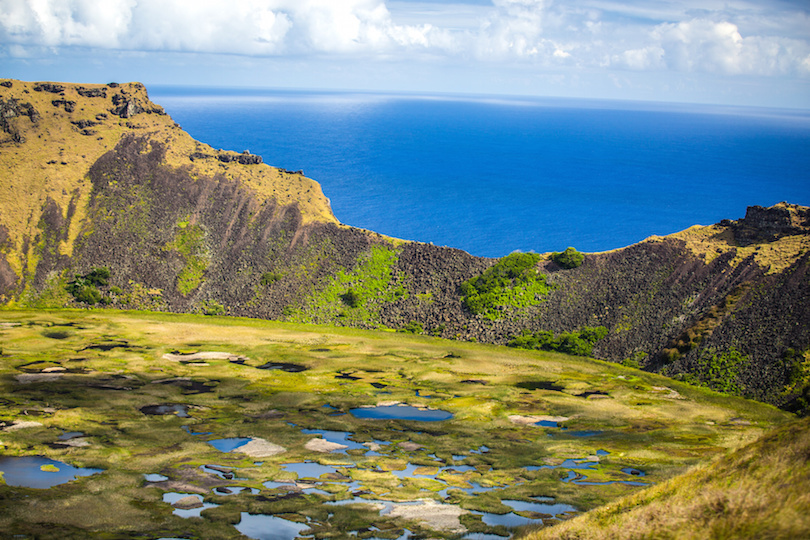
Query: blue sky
(733,52)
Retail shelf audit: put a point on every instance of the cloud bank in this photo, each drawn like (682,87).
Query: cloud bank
(738,38)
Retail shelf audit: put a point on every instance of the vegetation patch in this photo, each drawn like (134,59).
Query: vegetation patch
(512,282)
(719,371)
(579,342)
(85,288)
(356,295)
(189,242)
(570,258)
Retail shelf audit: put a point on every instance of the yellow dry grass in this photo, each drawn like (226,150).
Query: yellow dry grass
(709,242)
(55,157)
(759,491)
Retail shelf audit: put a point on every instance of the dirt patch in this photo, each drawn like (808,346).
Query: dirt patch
(323,446)
(211,355)
(188,503)
(30,378)
(22,424)
(260,448)
(440,517)
(531,420)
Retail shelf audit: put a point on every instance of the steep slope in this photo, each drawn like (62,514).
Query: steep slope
(107,202)
(53,134)
(758,491)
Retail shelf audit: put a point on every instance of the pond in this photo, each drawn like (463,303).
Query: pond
(265,527)
(230,444)
(514,520)
(400,412)
(40,472)
(173,497)
(309,469)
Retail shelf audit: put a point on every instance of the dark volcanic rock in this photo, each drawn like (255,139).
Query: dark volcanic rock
(49,87)
(92,92)
(68,104)
(767,224)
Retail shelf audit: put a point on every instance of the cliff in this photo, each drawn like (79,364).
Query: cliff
(107,202)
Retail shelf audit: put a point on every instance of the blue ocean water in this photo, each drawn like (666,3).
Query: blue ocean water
(495,175)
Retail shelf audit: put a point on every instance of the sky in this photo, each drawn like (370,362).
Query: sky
(730,52)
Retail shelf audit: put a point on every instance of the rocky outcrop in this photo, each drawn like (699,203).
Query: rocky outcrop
(12,109)
(767,224)
(126,105)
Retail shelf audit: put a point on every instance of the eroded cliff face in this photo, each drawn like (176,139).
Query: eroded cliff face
(99,178)
(53,134)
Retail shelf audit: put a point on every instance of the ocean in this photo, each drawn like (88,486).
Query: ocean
(493,175)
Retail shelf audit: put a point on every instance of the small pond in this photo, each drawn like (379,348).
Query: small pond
(66,436)
(513,520)
(264,527)
(309,469)
(40,472)
(400,412)
(229,444)
(173,497)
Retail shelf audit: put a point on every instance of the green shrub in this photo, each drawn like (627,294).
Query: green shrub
(88,295)
(570,258)
(511,282)
(351,298)
(212,307)
(413,327)
(579,342)
(98,276)
(268,278)
(84,287)
(719,371)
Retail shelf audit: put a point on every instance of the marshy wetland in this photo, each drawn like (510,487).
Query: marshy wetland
(204,427)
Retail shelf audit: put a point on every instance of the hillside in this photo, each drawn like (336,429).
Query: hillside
(758,491)
(107,203)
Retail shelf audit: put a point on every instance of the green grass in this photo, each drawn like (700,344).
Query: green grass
(356,295)
(111,364)
(189,243)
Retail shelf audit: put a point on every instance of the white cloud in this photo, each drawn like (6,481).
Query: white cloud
(736,37)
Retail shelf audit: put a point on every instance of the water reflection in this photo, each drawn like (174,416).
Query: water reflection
(265,527)
(40,472)
(400,412)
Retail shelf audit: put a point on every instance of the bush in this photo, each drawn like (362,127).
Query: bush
(212,307)
(413,327)
(351,298)
(268,278)
(511,282)
(570,258)
(719,371)
(98,276)
(579,342)
(83,287)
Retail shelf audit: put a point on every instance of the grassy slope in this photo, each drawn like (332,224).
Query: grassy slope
(709,242)
(648,422)
(758,491)
(54,158)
